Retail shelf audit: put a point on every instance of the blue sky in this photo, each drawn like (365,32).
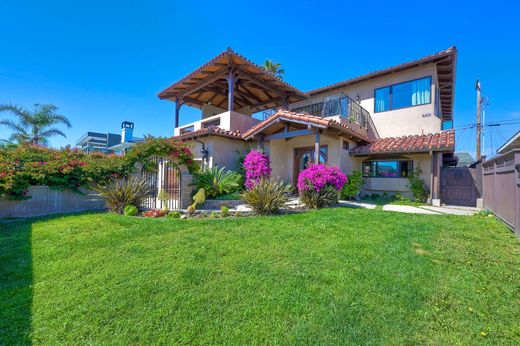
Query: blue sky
(103,62)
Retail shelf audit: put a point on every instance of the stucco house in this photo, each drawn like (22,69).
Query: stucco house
(384,123)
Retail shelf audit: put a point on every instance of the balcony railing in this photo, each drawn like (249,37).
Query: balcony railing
(335,105)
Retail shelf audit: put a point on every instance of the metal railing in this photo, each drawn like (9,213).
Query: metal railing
(335,105)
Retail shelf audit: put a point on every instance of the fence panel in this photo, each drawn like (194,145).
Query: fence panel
(501,187)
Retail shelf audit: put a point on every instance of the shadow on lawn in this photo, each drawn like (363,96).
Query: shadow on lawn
(16,280)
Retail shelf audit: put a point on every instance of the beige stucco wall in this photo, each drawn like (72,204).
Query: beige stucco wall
(406,121)
(281,153)
(232,121)
(222,152)
(398,185)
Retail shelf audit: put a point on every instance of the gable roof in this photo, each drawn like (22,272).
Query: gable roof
(255,87)
(440,141)
(306,120)
(445,61)
(512,143)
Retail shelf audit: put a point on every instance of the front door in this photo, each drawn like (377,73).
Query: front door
(458,186)
(303,157)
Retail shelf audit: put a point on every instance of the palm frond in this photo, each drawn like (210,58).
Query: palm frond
(18,111)
(52,132)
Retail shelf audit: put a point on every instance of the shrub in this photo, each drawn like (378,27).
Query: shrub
(119,193)
(256,165)
(199,198)
(164,197)
(24,165)
(319,184)
(130,210)
(217,181)
(326,197)
(267,196)
(155,213)
(419,189)
(213,215)
(353,186)
(224,211)
(174,215)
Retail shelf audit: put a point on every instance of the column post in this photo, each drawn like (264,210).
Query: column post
(231,79)
(317,147)
(178,105)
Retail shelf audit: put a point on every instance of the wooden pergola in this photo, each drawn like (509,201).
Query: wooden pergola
(230,81)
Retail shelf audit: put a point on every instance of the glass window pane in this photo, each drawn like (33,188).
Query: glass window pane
(411,93)
(382,99)
(387,169)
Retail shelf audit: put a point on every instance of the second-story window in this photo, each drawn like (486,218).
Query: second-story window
(408,94)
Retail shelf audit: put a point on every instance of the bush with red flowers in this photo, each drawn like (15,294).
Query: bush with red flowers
(155,213)
(24,165)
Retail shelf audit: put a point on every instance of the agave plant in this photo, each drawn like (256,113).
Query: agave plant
(217,181)
(267,196)
(119,193)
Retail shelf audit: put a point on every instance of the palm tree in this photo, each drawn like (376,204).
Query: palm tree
(274,68)
(35,126)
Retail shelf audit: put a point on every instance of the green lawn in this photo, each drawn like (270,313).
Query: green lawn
(336,276)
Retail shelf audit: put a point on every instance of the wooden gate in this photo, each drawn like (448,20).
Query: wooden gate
(165,176)
(458,186)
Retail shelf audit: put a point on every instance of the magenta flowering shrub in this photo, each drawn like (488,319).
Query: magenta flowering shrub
(256,165)
(318,177)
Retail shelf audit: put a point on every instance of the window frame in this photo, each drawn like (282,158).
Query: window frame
(399,161)
(390,106)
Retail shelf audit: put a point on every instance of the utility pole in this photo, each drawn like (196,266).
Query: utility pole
(479,126)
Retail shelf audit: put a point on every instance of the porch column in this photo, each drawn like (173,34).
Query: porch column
(178,105)
(231,79)
(317,147)
(436,172)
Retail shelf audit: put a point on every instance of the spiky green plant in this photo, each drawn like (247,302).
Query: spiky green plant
(267,196)
(313,199)
(35,126)
(217,181)
(118,193)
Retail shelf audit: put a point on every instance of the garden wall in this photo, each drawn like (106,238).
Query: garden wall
(46,201)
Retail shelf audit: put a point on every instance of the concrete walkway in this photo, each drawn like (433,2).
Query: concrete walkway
(452,210)
(407,209)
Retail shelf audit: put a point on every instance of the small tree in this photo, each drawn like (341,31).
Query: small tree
(353,186)
(419,189)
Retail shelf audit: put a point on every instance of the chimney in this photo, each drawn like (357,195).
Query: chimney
(127,131)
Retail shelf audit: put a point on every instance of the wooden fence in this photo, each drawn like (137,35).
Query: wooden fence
(501,187)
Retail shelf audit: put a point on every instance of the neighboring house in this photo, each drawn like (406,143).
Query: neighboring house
(385,123)
(464,159)
(512,143)
(109,142)
(94,141)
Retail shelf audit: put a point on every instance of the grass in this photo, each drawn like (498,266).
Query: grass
(336,276)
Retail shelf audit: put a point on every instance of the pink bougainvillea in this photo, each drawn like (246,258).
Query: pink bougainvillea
(318,176)
(256,165)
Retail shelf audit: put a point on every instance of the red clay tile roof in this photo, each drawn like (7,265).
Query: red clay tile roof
(210,131)
(300,117)
(440,141)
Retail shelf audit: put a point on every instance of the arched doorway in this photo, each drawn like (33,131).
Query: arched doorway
(303,157)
